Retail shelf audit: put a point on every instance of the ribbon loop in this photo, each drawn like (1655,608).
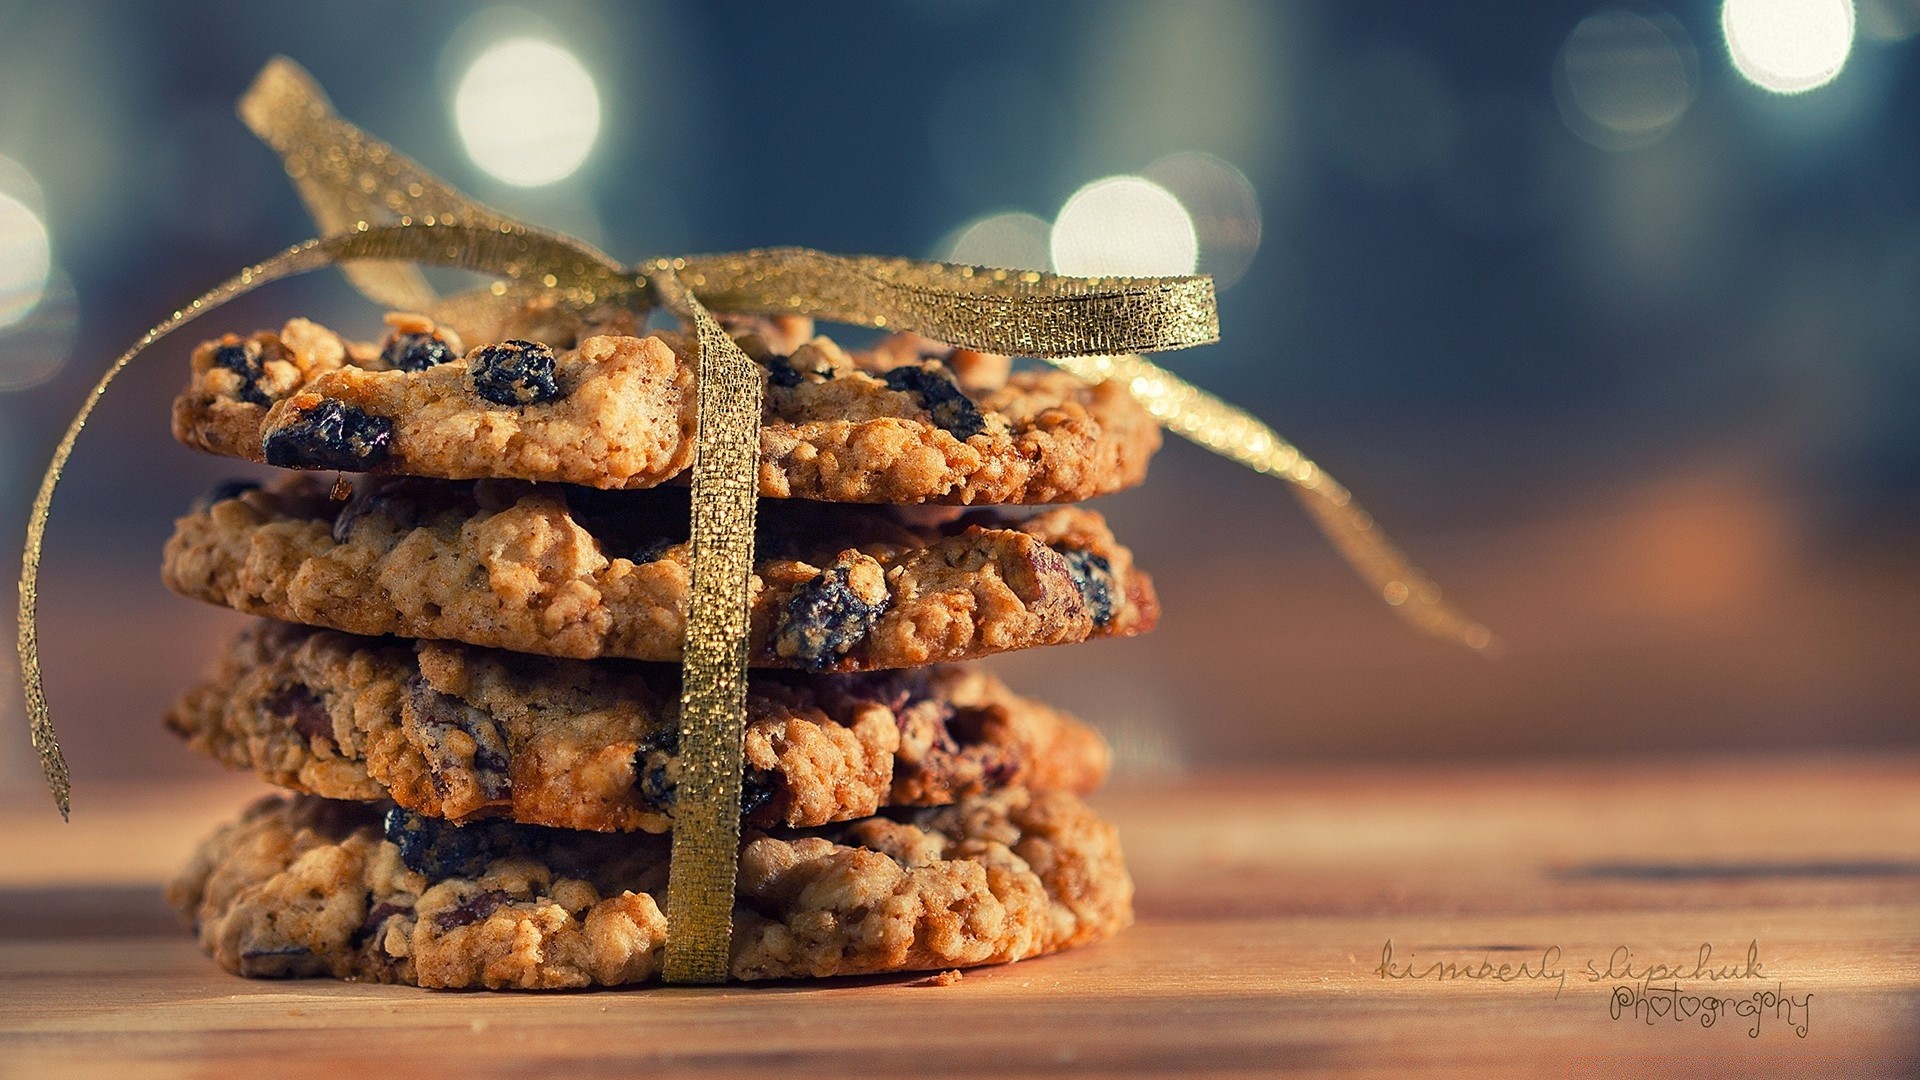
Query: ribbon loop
(351,181)
(346,176)
(1020,313)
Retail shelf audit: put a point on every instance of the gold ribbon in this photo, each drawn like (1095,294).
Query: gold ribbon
(512,251)
(713,692)
(1237,434)
(384,213)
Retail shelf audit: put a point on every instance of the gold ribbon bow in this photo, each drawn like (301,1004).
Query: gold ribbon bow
(381,214)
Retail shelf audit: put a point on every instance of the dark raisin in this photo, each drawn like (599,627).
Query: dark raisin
(926,723)
(940,395)
(247,361)
(824,619)
(473,909)
(331,435)
(429,722)
(436,848)
(781,372)
(1093,576)
(665,739)
(650,760)
(757,789)
(377,918)
(243,358)
(492,763)
(222,491)
(951,743)
(998,771)
(279,961)
(416,352)
(302,707)
(513,373)
(656,786)
(651,550)
(365,499)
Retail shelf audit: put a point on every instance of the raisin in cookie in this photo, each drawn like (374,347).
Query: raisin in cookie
(579,573)
(461,733)
(903,423)
(304,886)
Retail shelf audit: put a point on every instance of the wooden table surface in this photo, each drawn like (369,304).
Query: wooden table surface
(1266,901)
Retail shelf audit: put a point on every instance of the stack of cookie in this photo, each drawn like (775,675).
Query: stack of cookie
(465,669)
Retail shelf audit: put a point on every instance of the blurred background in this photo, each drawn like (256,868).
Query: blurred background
(1607,310)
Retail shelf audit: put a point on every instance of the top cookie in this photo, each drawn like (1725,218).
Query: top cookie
(905,422)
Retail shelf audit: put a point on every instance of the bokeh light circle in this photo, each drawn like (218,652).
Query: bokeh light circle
(1889,20)
(26,260)
(1223,206)
(1126,226)
(1626,77)
(1012,240)
(37,347)
(1788,46)
(527,111)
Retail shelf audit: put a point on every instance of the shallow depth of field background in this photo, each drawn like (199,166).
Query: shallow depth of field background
(1619,339)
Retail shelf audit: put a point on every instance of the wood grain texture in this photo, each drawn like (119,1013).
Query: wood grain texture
(1266,900)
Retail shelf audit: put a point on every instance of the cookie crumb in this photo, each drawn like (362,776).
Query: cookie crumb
(949,977)
(342,489)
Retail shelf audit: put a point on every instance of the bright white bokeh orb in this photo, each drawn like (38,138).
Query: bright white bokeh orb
(528,112)
(1124,226)
(26,260)
(1626,77)
(1011,240)
(1788,46)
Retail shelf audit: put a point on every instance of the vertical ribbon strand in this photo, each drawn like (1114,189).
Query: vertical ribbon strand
(706,815)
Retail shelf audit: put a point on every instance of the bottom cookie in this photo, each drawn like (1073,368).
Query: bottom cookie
(303,886)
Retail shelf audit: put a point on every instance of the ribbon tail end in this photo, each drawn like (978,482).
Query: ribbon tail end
(280,83)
